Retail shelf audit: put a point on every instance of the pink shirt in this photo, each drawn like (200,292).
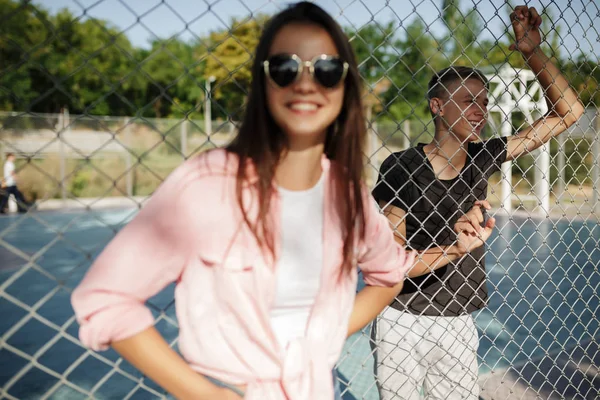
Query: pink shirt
(191,233)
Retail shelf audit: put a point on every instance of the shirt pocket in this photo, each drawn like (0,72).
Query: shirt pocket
(236,277)
(233,251)
(232,261)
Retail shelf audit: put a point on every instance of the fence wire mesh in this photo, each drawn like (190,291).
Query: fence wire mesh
(100,100)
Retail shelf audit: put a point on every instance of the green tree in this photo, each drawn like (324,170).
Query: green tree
(49,62)
(420,57)
(395,61)
(22,29)
(464,28)
(373,45)
(229,61)
(90,65)
(172,78)
(584,76)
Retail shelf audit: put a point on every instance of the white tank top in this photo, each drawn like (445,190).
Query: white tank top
(300,263)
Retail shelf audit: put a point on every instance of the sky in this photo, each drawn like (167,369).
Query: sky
(144,20)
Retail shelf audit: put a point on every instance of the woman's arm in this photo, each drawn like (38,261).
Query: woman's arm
(151,354)
(369,303)
(148,254)
(384,264)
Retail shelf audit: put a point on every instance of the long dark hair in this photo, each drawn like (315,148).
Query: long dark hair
(261,143)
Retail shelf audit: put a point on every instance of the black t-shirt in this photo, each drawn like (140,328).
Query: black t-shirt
(432,206)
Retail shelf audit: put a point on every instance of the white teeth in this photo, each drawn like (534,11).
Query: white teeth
(304,106)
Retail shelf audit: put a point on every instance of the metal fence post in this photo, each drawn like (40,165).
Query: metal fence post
(560,169)
(128,163)
(542,179)
(183,132)
(506,177)
(62,156)
(406,140)
(596,166)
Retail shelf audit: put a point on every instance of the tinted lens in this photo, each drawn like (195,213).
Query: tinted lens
(329,72)
(283,69)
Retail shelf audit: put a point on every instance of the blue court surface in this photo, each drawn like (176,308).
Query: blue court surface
(540,333)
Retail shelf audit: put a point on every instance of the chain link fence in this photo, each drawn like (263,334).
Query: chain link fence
(99,101)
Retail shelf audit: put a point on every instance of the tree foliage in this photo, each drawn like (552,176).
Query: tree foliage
(229,61)
(53,61)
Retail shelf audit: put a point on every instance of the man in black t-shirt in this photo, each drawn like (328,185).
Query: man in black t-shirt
(434,195)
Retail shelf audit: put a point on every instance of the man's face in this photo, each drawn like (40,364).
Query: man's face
(463,109)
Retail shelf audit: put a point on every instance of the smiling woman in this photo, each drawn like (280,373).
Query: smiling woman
(304,107)
(263,238)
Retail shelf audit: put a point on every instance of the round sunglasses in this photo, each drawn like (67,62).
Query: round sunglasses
(285,69)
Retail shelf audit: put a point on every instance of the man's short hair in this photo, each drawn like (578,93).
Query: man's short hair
(10,155)
(441,80)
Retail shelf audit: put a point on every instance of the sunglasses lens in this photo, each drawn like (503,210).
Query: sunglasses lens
(329,72)
(283,69)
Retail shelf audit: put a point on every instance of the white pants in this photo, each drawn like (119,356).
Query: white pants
(426,357)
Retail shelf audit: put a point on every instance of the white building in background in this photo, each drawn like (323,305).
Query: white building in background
(517,90)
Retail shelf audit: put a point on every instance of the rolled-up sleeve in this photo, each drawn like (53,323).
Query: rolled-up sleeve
(383,261)
(149,253)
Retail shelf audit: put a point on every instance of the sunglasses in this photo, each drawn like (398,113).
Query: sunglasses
(285,69)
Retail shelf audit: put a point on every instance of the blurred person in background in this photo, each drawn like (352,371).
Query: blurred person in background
(9,187)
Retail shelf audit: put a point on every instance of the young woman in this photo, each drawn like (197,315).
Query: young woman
(263,238)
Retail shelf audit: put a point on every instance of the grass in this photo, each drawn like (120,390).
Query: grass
(154,151)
